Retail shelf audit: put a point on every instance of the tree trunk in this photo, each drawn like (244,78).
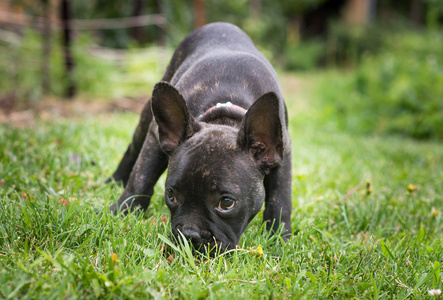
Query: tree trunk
(416,11)
(161,28)
(65,16)
(199,13)
(137,32)
(255,9)
(46,55)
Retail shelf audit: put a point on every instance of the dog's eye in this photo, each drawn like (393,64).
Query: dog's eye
(226,203)
(170,195)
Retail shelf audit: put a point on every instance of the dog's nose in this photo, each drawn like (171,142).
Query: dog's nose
(191,232)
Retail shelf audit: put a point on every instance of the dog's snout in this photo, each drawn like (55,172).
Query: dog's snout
(191,232)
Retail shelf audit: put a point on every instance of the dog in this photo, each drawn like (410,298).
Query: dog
(218,123)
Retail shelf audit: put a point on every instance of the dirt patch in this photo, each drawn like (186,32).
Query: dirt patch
(25,115)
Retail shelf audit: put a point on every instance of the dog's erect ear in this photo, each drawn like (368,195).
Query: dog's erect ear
(175,123)
(261,132)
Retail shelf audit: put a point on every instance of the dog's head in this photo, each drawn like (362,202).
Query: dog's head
(214,185)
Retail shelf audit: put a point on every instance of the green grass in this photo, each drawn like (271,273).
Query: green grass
(352,242)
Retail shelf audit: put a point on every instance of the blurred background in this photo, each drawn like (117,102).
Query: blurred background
(371,66)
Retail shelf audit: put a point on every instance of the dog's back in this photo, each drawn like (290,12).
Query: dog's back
(222,58)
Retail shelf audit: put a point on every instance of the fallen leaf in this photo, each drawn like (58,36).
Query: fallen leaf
(171,258)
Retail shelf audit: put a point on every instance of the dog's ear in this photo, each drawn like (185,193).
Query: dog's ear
(261,132)
(175,123)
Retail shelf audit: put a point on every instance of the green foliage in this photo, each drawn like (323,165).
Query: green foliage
(346,45)
(180,20)
(434,14)
(269,29)
(133,74)
(398,91)
(114,9)
(22,64)
(92,75)
(305,55)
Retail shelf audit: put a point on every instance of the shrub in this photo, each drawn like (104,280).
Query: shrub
(304,56)
(399,91)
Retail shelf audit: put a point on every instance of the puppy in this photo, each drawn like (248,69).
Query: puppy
(218,123)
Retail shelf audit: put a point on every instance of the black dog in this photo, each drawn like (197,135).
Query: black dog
(218,122)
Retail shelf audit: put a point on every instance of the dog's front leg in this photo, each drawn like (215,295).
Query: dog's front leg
(127,163)
(150,165)
(278,203)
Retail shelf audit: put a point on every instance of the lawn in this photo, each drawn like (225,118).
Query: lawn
(366,217)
